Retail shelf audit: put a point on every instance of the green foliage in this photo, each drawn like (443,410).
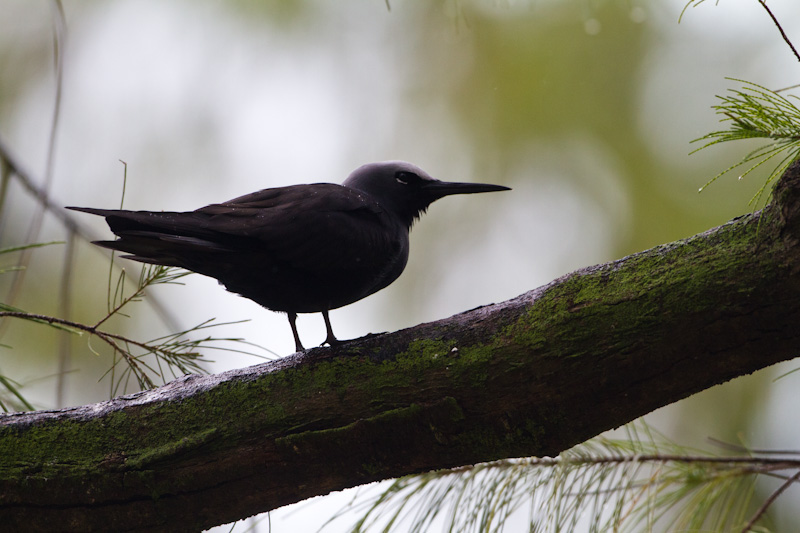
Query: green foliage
(162,358)
(643,482)
(755,112)
(11,398)
(175,353)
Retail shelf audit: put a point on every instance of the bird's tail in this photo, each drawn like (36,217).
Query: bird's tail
(160,238)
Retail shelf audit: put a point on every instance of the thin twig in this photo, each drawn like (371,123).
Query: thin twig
(74,325)
(138,293)
(35,226)
(113,340)
(769,501)
(65,304)
(742,449)
(780,28)
(663,458)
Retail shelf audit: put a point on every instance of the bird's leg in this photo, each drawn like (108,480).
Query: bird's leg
(293,322)
(331,339)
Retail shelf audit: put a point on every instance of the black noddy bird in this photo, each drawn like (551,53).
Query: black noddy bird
(296,249)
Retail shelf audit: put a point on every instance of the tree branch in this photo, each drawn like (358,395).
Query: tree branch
(780,28)
(531,376)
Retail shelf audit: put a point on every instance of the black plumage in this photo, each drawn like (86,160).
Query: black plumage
(296,249)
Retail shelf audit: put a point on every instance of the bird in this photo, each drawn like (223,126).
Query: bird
(295,249)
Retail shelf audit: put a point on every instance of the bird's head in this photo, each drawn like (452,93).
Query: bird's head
(407,190)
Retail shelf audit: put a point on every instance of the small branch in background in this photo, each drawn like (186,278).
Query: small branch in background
(35,226)
(787,88)
(769,501)
(176,351)
(65,310)
(5,178)
(780,28)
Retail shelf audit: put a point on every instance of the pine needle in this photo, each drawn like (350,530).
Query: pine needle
(645,482)
(755,112)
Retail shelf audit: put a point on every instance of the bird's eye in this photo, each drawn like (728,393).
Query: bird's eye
(404,177)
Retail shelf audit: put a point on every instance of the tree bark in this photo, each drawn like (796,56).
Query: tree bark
(530,376)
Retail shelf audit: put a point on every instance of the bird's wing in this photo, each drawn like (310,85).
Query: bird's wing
(307,226)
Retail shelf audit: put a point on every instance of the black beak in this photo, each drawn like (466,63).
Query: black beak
(440,189)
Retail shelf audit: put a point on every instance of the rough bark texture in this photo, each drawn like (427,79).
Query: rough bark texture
(531,376)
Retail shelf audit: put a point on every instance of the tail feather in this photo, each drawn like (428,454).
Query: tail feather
(160,238)
(162,222)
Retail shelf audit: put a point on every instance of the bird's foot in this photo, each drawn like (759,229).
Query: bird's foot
(332,342)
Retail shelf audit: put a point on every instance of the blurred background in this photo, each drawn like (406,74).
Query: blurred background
(585,107)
